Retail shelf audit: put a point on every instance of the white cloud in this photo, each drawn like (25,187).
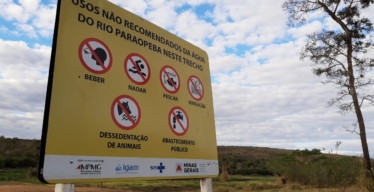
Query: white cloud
(368,12)
(226,63)
(331,24)
(12,11)
(28,29)
(137,7)
(188,22)
(30,16)
(44,20)
(3,29)
(306,29)
(30,6)
(23,87)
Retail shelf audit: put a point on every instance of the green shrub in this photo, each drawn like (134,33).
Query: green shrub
(26,162)
(10,163)
(254,171)
(294,187)
(261,186)
(2,162)
(315,169)
(19,162)
(222,189)
(365,183)
(32,172)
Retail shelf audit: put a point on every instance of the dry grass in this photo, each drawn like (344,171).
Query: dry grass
(224,174)
(281,180)
(249,152)
(365,184)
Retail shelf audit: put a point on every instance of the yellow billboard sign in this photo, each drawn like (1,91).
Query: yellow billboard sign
(126,99)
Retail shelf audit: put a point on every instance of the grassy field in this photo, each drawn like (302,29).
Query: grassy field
(20,177)
(16,175)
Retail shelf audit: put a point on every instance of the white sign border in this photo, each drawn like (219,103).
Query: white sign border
(64,167)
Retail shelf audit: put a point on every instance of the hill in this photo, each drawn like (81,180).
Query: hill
(18,153)
(251,153)
(22,153)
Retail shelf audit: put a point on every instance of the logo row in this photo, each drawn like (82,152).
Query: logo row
(95,169)
(97,58)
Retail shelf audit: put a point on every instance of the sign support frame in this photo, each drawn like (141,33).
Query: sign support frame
(48,95)
(205,183)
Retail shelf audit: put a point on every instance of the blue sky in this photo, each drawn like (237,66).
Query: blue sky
(263,94)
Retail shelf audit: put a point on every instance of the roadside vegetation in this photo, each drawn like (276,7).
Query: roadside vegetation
(241,169)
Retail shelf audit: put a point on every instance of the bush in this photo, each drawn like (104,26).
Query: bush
(254,171)
(32,172)
(26,162)
(10,163)
(312,168)
(222,189)
(261,186)
(365,183)
(294,187)
(281,180)
(2,162)
(19,162)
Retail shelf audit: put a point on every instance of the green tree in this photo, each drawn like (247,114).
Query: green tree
(340,54)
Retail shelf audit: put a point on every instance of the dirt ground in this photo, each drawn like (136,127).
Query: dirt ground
(51,188)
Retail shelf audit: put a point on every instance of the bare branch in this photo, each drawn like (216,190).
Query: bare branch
(297,11)
(338,98)
(352,131)
(346,107)
(336,7)
(362,100)
(369,98)
(339,63)
(359,84)
(355,127)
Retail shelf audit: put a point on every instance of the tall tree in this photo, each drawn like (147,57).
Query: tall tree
(340,54)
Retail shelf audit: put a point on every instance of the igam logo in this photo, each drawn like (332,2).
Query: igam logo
(127,168)
(89,167)
(119,167)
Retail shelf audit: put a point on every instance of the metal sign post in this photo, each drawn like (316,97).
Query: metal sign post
(64,187)
(206,185)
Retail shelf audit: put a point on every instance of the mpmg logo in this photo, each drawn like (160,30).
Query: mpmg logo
(89,167)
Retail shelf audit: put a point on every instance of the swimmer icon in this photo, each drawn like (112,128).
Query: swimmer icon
(137,69)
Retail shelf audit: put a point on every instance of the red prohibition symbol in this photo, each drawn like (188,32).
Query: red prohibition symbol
(195,87)
(178,121)
(137,69)
(95,55)
(169,79)
(125,112)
